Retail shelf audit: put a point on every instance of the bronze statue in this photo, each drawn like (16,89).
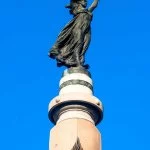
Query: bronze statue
(74,39)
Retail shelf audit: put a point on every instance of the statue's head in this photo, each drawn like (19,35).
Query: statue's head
(77,2)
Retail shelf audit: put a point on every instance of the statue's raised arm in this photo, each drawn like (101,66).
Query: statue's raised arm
(93,5)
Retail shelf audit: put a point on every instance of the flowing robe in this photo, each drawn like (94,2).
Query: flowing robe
(73,40)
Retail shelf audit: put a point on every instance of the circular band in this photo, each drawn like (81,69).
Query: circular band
(94,111)
(76,76)
(75,82)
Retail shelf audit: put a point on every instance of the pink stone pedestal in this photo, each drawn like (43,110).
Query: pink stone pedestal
(75,113)
(65,134)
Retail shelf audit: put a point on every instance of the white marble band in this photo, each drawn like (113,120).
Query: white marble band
(71,114)
(75,89)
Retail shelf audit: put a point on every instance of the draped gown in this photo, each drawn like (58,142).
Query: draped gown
(69,45)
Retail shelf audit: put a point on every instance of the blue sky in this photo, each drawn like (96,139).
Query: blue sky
(119,56)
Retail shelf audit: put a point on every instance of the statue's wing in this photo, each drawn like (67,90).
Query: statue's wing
(93,5)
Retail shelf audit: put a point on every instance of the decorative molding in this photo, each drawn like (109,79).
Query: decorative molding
(76,76)
(92,109)
(75,82)
(77,145)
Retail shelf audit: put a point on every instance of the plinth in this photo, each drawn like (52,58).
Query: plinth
(75,113)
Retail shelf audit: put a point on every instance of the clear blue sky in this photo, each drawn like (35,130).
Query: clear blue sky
(119,56)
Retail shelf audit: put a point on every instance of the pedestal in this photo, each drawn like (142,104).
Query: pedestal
(75,113)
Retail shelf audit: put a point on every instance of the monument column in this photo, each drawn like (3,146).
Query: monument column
(75,113)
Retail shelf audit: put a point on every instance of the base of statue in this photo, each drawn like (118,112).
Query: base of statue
(75,112)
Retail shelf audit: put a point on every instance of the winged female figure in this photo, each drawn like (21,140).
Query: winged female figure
(74,39)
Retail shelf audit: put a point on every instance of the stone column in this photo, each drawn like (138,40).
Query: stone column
(75,113)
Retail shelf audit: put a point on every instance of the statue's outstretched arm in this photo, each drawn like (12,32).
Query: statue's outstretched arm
(93,5)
